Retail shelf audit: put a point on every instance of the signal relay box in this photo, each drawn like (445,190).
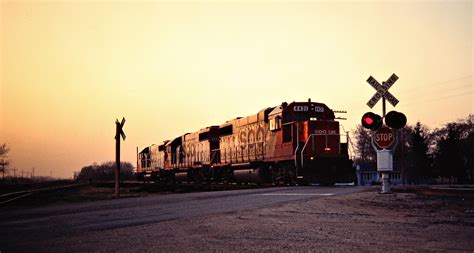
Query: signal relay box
(384,160)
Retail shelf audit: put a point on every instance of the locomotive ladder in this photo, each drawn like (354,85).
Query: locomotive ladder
(312,138)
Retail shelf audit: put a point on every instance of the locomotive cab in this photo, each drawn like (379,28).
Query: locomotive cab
(143,164)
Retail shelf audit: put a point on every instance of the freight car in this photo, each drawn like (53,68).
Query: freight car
(290,143)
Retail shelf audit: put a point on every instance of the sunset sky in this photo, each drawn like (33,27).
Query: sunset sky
(69,69)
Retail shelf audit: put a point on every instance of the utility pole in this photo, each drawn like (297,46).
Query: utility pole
(118,133)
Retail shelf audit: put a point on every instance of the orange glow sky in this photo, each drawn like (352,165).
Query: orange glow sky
(69,69)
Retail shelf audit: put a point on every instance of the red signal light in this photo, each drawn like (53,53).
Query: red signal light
(368,120)
(371,121)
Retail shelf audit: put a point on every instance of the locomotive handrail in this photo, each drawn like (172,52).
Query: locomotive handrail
(312,136)
(214,152)
(348,140)
(297,145)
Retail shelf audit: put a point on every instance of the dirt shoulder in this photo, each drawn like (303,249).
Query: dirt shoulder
(364,221)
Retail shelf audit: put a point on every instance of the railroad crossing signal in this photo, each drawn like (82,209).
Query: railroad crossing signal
(118,133)
(382,91)
(383,137)
(120,129)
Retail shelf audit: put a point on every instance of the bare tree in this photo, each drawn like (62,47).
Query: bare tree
(364,150)
(105,172)
(4,162)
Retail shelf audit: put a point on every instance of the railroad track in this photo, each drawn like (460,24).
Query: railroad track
(132,186)
(12,196)
(181,187)
(438,190)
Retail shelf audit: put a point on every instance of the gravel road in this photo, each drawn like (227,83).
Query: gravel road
(277,219)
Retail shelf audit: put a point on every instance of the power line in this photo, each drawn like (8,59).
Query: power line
(463,86)
(436,93)
(438,83)
(431,99)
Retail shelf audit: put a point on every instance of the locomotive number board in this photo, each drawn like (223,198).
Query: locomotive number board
(306,108)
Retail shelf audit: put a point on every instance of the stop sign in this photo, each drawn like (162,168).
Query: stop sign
(384,137)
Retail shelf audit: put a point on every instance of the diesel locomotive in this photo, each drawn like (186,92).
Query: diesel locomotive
(298,142)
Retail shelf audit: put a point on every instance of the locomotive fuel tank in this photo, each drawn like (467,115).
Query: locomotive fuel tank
(251,175)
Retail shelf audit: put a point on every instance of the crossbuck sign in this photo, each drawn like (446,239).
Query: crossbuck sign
(382,90)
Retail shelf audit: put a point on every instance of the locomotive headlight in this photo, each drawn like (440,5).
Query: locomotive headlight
(311,158)
(327,149)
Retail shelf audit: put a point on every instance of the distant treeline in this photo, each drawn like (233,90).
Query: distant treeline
(424,155)
(106,172)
